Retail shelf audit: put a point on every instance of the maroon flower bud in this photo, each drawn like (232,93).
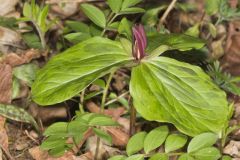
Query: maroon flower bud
(139,42)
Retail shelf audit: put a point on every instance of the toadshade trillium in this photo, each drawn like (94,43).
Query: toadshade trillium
(139,42)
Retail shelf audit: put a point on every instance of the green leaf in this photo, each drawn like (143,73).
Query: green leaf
(135,144)
(136,157)
(212,30)
(26,72)
(58,129)
(77,37)
(132,10)
(212,6)
(87,62)
(78,26)
(103,135)
(193,31)
(102,120)
(125,28)
(202,141)
(15,88)
(95,14)
(166,90)
(118,157)
(185,157)
(32,40)
(155,138)
(159,156)
(173,41)
(42,17)
(27,11)
(115,5)
(58,151)
(130,3)
(76,129)
(210,153)
(175,142)
(8,22)
(53,142)
(226,158)
(150,17)
(17,114)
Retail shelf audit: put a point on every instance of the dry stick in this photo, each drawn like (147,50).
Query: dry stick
(163,18)
(6,152)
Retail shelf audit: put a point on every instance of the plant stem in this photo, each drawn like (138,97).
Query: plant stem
(132,120)
(111,18)
(81,101)
(116,99)
(105,92)
(41,35)
(163,18)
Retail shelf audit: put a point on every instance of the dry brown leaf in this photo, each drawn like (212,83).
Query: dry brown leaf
(5,83)
(233,149)
(233,3)
(39,154)
(65,10)
(48,114)
(119,137)
(1,155)
(7,6)
(115,113)
(16,59)
(8,39)
(231,60)
(85,156)
(3,136)
(104,151)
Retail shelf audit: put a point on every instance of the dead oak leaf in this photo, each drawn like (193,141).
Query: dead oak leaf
(3,136)
(5,83)
(19,59)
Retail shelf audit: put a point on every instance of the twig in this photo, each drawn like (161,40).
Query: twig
(6,152)
(163,18)
(116,99)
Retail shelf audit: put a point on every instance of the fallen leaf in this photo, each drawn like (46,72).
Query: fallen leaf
(104,151)
(5,83)
(231,60)
(7,6)
(9,38)
(85,156)
(1,155)
(119,137)
(14,59)
(233,3)
(65,9)
(3,136)
(38,154)
(48,114)
(114,112)
(233,149)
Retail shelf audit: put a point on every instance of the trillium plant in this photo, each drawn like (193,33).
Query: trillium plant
(163,89)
